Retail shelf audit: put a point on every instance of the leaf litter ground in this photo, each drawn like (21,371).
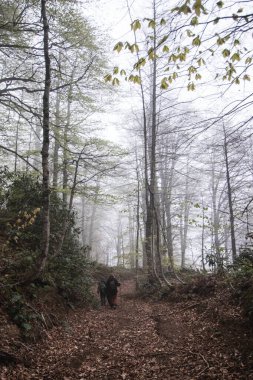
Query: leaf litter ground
(198,338)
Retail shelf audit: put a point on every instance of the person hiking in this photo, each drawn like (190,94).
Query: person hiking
(112,285)
(101,290)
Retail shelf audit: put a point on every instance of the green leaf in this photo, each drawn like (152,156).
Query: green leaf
(220,41)
(173,58)
(194,21)
(235,57)
(196,41)
(152,24)
(135,25)
(115,81)
(134,79)
(189,33)
(166,49)
(182,57)
(137,79)
(118,47)
(198,7)
(163,21)
(132,48)
(151,54)
(115,70)
(108,78)
(192,69)
(176,9)
(220,4)
(162,40)
(226,53)
(141,62)
(248,60)
(246,77)
(164,84)
(122,72)
(185,9)
(191,86)
(216,20)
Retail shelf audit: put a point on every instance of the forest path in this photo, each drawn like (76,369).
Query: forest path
(138,340)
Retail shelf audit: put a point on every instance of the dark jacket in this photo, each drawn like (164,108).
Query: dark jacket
(101,288)
(112,285)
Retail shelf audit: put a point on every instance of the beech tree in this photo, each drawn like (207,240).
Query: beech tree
(45,143)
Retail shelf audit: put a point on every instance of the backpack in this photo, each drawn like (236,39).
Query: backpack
(112,287)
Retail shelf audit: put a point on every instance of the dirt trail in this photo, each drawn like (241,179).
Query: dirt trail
(139,340)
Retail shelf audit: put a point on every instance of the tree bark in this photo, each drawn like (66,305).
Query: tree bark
(45,145)
(56,142)
(230,201)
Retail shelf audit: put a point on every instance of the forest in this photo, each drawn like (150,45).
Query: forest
(127,149)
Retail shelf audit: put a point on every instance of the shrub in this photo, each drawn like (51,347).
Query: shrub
(242,280)
(21,231)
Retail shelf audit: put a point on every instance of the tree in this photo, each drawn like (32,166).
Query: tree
(45,145)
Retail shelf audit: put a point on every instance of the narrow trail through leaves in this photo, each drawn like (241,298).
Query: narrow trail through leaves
(139,340)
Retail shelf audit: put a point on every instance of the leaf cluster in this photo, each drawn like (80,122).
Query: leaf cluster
(227,43)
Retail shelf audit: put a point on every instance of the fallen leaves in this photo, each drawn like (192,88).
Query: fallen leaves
(142,340)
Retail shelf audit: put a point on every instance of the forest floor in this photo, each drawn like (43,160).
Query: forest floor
(197,338)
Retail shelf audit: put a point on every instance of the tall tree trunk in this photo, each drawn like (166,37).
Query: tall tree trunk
(203,237)
(45,145)
(16,144)
(65,142)
(184,220)
(93,215)
(118,241)
(152,212)
(56,141)
(147,245)
(66,220)
(17,138)
(131,236)
(230,201)
(137,225)
(37,144)
(65,152)
(167,179)
(83,222)
(216,216)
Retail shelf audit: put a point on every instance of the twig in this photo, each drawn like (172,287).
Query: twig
(204,359)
